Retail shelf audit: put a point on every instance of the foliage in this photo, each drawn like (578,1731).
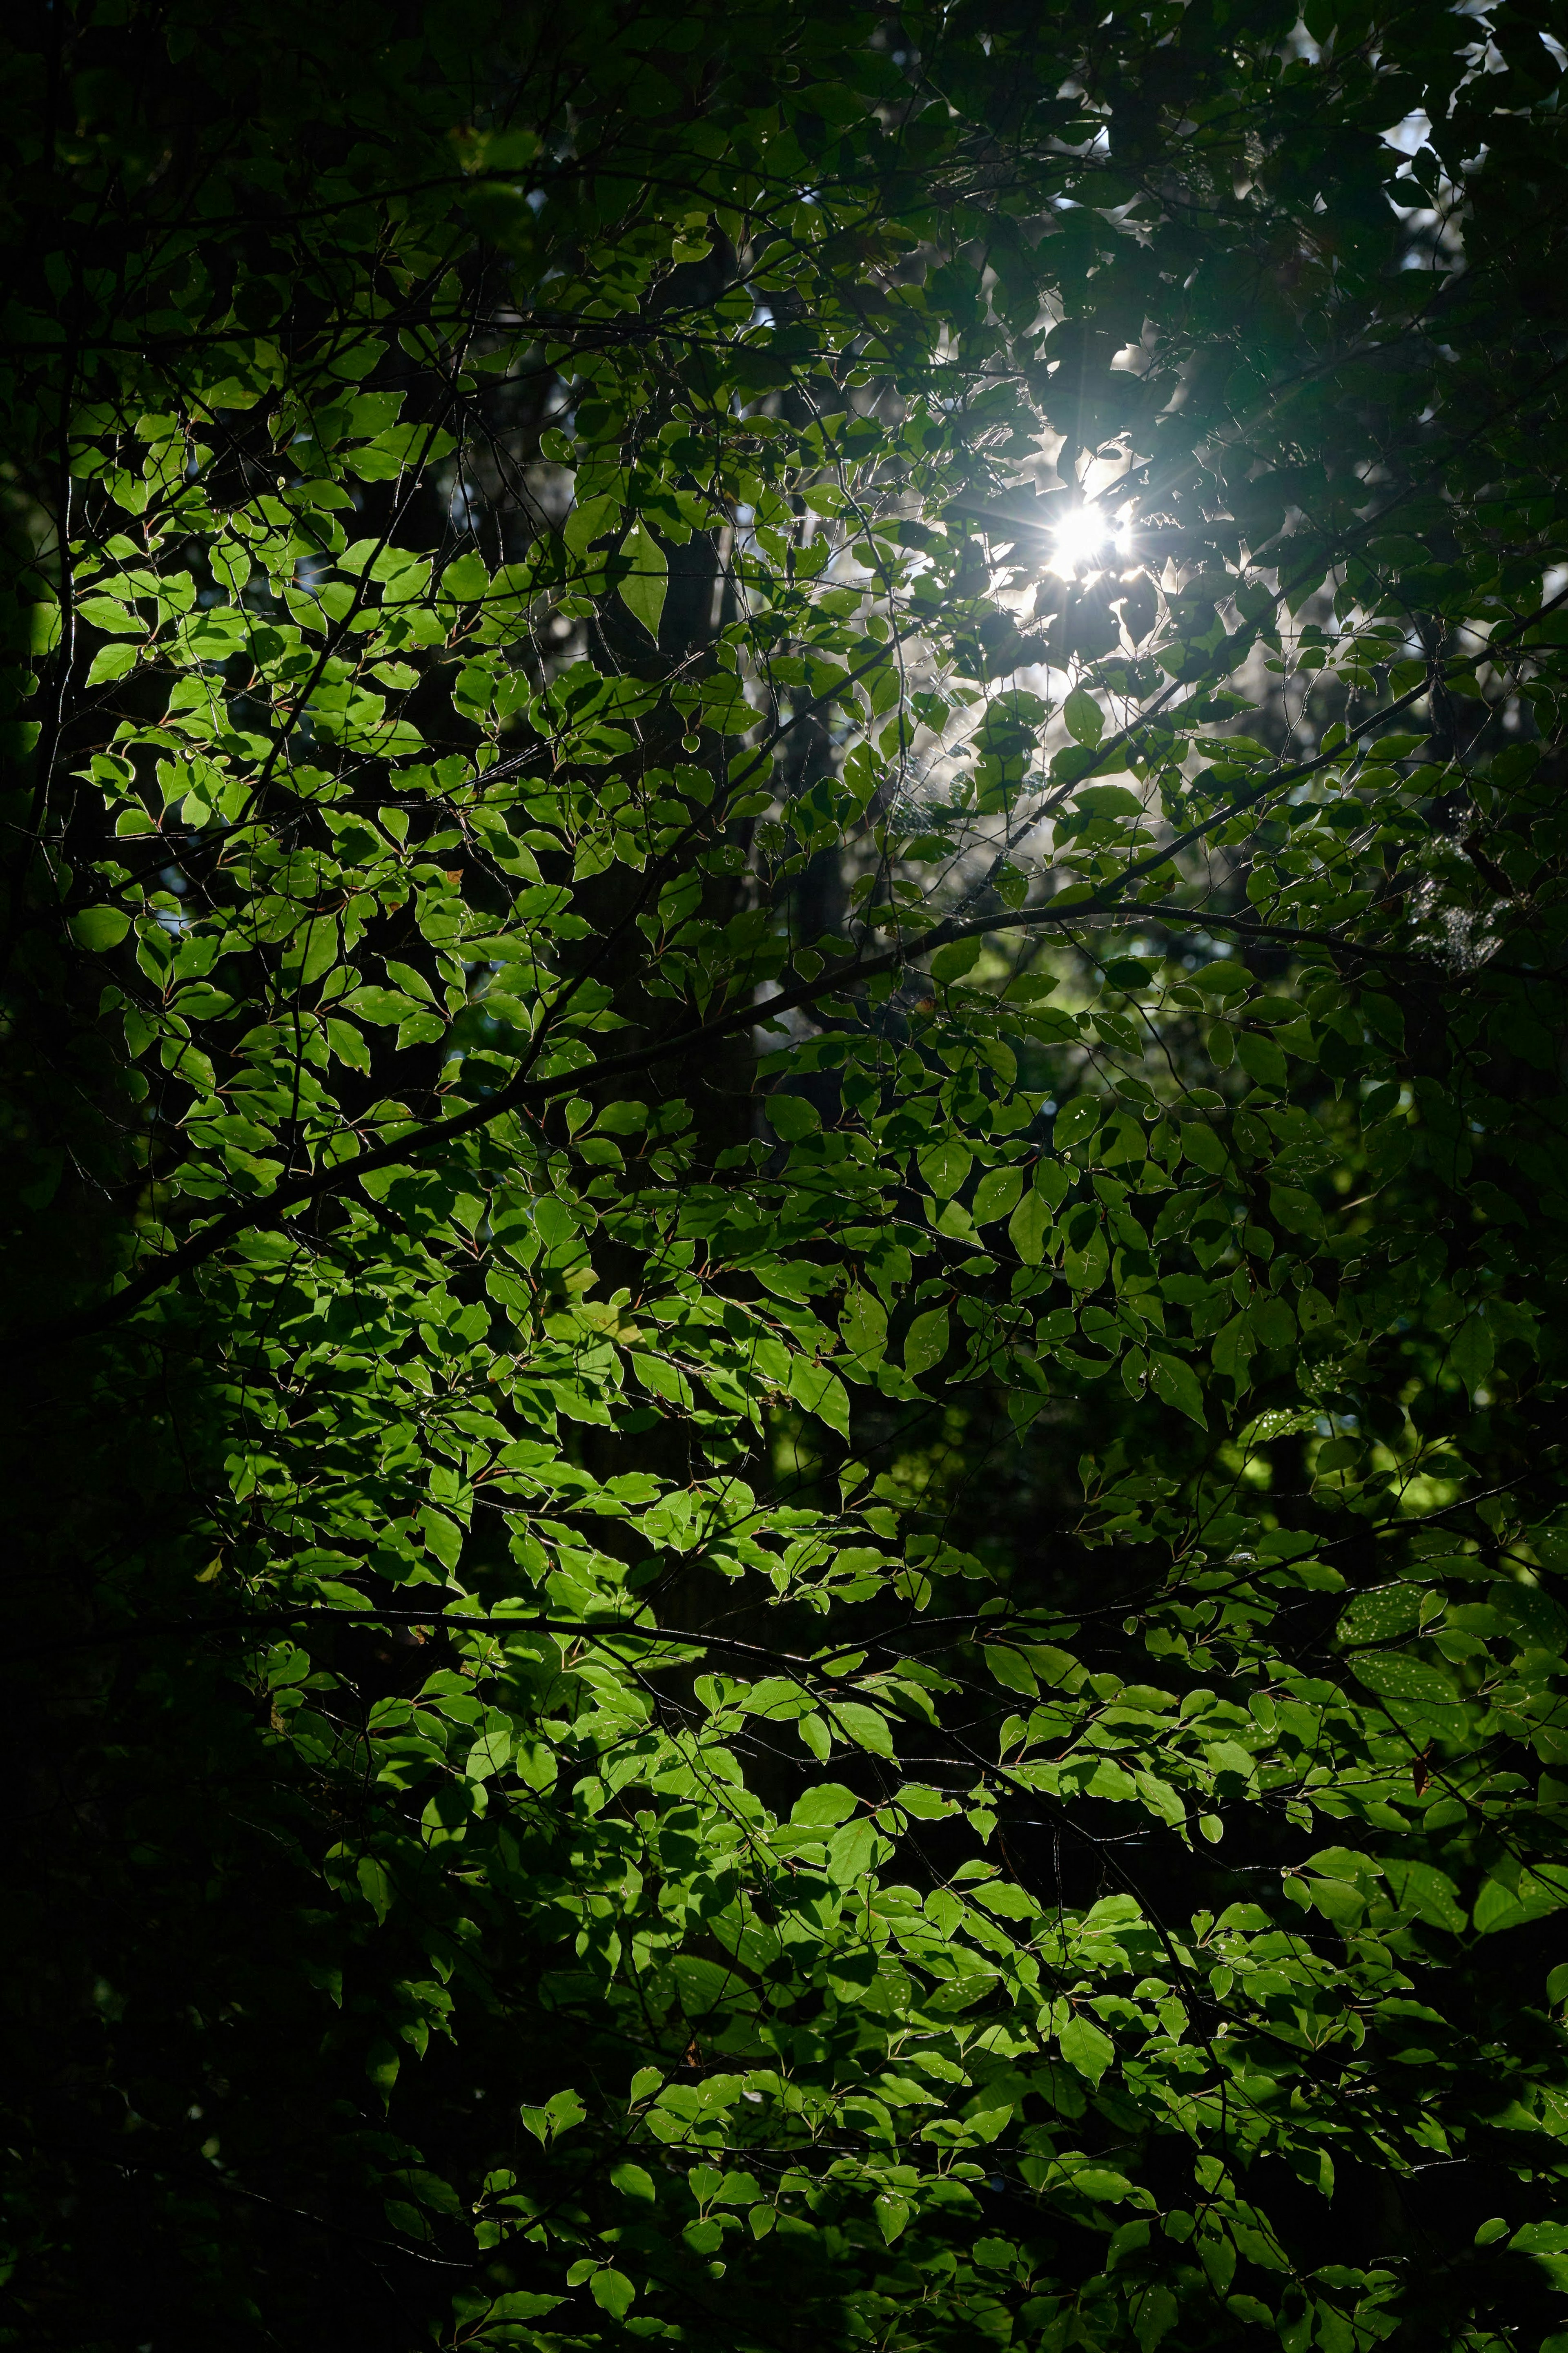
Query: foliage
(785,1155)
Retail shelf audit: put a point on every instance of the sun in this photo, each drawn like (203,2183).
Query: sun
(1081,542)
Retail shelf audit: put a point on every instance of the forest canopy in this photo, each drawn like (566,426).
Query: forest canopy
(783,905)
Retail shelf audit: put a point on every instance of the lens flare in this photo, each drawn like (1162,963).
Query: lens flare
(1082,542)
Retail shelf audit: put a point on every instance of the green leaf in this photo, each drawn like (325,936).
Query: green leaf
(518,2303)
(622,1119)
(644,588)
(1394,1674)
(1224,979)
(892,2213)
(1471,1354)
(1090,2051)
(1295,1211)
(828,1804)
(1012,1669)
(1178,1385)
(944,1165)
(792,1117)
(996,1195)
(466,578)
(111,662)
(1030,1228)
(385,1006)
(633,2182)
(1430,1894)
(1077,1120)
(815,1734)
(1203,1148)
(1380,1617)
(1261,1058)
(561,2113)
(1537,1895)
(950,963)
(104,613)
(1084,719)
(1251,2308)
(864,1325)
(1157,2313)
(316,491)
(1099,2181)
(99,929)
(867,1727)
(819,1391)
(613,2291)
(376,1885)
(1078,760)
(926,1341)
(382,2066)
(1272,1319)
(1531,1617)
